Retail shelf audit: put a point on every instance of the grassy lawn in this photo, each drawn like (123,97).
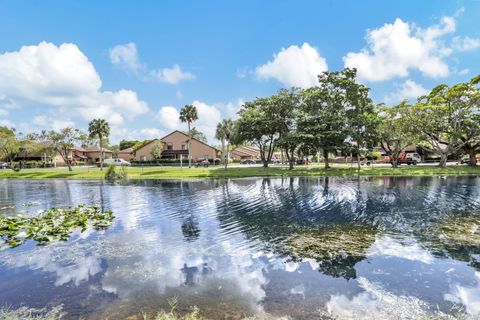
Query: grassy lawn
(240,172)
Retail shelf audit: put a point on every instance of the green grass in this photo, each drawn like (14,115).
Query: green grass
(241,172)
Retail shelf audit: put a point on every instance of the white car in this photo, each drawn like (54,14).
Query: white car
(117,162)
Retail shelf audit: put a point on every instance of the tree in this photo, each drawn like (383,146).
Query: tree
(224,133)
(322,118)
(63,141)
(99,128)
(447,118)
(9,145)
(125,144)
(360,114)
(256,125)
(196,134)
(189,114)
(394,131)
(286,105)
(157,149)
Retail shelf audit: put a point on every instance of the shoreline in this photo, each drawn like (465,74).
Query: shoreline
(175,173)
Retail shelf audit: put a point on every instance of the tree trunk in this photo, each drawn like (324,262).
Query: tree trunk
(265,162)
(101,152)
(443,160)
(472,157)
(69,165)
(395,161)
(358,160)
(188,146)
(223,154)
(228,154)
(325,159)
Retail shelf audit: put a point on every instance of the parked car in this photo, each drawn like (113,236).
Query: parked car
(204,163)
(117,162)
(4,165)
(248,161)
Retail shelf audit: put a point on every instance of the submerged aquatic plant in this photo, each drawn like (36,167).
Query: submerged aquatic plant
(24,313)
(52,225)
(336,248)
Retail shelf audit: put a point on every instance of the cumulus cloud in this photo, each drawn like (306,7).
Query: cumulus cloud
(172,75)
(208,117)
(408,90)
(396,48)
(294,66)
(44,122)
(125,56)
(168,117)
(63,77)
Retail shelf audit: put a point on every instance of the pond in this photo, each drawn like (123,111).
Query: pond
(302,248)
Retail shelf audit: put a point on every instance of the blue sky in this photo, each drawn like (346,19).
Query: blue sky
(136,63)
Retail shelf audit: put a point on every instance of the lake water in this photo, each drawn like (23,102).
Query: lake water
(306,248)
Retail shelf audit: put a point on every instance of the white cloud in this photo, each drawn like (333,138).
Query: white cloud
(395,49)
(465,43)
(464,72)
(469,296)
(208,117)
(409,90)
(387,246)
(3,112)
(168,117)
(45,122)
(294,66)
(172,75)
(125,56)
(63,77)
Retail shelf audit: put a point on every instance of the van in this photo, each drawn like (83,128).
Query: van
(117,162)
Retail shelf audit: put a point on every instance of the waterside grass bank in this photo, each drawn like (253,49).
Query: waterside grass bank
(241,172)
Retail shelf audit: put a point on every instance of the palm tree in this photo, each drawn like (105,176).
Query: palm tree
(189,114)
(99,128)
(224,133)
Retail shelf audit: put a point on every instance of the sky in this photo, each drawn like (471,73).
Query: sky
(137,63)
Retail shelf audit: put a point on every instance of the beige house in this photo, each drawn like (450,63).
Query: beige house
(143,152)
(176,147)
(244,152)
(126,154)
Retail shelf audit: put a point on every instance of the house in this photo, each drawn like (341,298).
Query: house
(244,152)
(176,146)
(126,154)
(89,155)
(142,152)
(173,146)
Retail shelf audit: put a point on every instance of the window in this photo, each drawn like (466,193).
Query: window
(169,147)
(143,158)
(184,147)
(205,157)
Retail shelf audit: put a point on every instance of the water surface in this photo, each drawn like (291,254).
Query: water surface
(306,248)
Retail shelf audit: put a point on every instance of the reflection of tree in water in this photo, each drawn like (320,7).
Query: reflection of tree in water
(276,212)
(191,273)
(287,222)
(190,228)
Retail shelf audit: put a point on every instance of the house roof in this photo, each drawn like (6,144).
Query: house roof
(244,150)
(186,135)
(128,150)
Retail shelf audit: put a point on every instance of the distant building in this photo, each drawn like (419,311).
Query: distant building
(244,153)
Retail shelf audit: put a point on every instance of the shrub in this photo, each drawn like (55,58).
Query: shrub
(112,174)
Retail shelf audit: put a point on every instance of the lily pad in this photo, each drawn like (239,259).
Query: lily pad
(56,224)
